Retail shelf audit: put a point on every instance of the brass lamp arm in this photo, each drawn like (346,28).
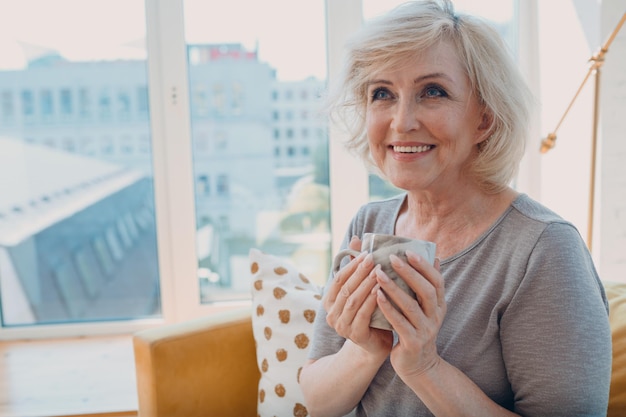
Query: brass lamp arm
(548,143)
(597,60)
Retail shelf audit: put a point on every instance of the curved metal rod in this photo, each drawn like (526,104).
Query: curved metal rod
(548,143)
(596,62)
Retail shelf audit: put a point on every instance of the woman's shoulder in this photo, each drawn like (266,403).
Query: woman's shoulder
(540,223)
(534,211)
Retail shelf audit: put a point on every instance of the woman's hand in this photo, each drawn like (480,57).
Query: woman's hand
(350,302)
(417,322)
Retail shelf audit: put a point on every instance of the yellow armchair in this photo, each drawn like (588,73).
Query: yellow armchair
(204,367)
(207,367)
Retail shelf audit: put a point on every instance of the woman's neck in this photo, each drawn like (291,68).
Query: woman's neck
(453,221)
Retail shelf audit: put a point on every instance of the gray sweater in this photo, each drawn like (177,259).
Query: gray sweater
(526,318)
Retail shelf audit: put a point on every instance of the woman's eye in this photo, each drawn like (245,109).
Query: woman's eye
(380,94)
(435,91)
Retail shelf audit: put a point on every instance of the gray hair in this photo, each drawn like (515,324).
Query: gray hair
(494,78)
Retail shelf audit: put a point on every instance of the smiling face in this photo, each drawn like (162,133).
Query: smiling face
(423,122)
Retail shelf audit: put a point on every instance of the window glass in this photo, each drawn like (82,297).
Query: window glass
(264,198)
(77,230)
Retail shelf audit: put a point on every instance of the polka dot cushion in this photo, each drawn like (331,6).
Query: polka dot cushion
(284,304)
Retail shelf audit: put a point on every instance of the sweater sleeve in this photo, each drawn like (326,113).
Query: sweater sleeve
(555,333)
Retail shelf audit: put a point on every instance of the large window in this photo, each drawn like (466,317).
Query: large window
(77,224)
(271,192)
(139,164)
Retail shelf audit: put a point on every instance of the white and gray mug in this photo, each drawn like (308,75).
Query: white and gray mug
(381,246)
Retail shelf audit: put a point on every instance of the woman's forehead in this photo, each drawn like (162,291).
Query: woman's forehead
(441,58)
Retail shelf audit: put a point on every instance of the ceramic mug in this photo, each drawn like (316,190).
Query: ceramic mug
(381,246)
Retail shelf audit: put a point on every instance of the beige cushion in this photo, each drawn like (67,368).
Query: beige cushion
(617,317)
(284,304)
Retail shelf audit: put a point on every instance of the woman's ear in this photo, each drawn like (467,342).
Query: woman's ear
(485,127)
(487,121)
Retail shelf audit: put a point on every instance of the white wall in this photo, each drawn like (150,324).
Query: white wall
(570,32)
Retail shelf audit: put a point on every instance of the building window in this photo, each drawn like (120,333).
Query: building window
(276,133)
(238,98)
(289,133)
(304,133)
(84,103)
(291,151)
(221,141)
(46,105)
(204,186)
(222,185)
(28,103)
(123,105)
(104,106)
(219,101)
(8,111)
(275,115)
(66,103)
(274,95)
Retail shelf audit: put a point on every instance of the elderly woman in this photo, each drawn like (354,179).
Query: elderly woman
(512,318)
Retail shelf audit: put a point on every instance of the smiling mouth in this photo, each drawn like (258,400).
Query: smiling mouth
(412,149)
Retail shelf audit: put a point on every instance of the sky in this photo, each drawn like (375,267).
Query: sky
(115,29)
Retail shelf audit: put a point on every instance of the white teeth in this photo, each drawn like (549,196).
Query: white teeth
(412,149)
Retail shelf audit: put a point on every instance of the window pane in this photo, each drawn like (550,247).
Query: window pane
(500,12)
(260,182)
(77,226)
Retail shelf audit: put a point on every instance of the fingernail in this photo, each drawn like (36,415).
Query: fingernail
(394,259)
(381,274)
(415,256)
(369,259)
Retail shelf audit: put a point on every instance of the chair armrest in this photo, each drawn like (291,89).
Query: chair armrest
(616,293)
(204,367)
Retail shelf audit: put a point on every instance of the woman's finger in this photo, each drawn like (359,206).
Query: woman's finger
(431,286)
(408,309)
(340,278)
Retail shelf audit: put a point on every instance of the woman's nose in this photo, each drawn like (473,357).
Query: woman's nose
(405,117)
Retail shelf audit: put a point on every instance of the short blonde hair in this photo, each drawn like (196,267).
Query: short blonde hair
(491,69)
